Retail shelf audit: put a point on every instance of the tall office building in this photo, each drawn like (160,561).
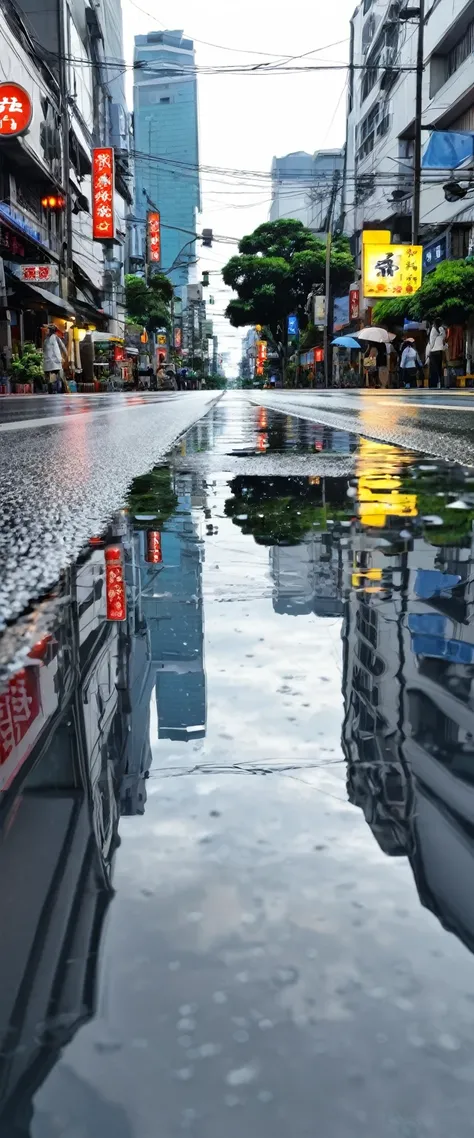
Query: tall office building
(166,143)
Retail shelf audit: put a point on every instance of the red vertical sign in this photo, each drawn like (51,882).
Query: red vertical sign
(154,237)
(103,185)
(116,601)
(19,707)
(354,304)
(154,555)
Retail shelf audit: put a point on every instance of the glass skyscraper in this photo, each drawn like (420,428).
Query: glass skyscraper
(166,143)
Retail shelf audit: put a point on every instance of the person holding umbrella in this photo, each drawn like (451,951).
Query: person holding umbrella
(410,363)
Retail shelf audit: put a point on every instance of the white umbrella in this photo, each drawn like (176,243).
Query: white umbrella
(375,335)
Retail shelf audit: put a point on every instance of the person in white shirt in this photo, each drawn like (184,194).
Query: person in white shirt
(54,354)
(435,353)
(410,363)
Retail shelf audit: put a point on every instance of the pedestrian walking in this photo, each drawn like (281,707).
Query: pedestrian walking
(435,353)
(410,364)
(54,355)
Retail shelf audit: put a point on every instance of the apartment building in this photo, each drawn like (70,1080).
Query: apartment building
(381,121)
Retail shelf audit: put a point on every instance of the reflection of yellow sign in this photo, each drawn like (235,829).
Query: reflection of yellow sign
(161,338)
(392,270)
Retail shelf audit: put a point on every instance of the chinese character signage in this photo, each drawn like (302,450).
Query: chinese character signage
(261,356)
(354,303)
(392,270)
(154,237)
(154,555)
(319,310)
(115,595)
(16,110)
(19,707)
(103,185)
(38,273)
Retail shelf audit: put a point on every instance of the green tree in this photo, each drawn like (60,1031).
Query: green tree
(149,304)
(281,511)
(273,273)
(446,293)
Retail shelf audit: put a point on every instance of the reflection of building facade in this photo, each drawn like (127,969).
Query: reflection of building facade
(307,577)
(408,685)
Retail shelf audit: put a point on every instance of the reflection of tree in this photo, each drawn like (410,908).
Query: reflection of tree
(456,525)
(281,511)
(153,494)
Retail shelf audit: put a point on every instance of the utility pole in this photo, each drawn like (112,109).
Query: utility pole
(327,319)
(66,220)
(406,14)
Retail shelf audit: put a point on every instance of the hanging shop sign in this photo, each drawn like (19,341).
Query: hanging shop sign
(293,328)
(154,237)
(261,356)
(103,186)
(115,595)
(354,303)
(392,270)
(16,110)
(319,310)
(42,273)
(435,253)
(154,555)
(178,338)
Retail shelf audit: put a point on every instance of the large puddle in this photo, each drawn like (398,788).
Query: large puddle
(237,826)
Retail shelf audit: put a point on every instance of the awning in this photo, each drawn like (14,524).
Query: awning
(448,150)
(47,299)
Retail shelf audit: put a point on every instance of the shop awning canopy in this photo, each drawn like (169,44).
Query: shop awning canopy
(48,300)
(448,150)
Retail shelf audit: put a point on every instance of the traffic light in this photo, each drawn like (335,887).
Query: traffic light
(205,279)
(207,238)
(53,202)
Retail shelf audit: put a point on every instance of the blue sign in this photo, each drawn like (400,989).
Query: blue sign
(293,328)
(434,253)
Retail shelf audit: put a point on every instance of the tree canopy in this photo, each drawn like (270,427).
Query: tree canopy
(446,293)
(149,304)
(273,273)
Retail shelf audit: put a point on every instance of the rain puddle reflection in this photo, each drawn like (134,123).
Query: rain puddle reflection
(316,632)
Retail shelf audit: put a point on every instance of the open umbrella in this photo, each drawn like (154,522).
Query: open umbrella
(376,335)
(346,342)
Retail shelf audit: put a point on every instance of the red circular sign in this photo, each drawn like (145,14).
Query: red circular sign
(16,110)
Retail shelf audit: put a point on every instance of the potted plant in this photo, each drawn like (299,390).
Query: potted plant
(26,369)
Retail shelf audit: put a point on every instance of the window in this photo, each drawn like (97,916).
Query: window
(166,100)
(461,50)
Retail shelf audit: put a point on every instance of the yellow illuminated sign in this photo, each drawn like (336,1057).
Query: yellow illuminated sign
(376,237)
(392,270)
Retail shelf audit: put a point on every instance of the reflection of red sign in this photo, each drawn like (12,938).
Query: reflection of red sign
(103,185)
(154,555)
(16,110)
(19,707)
(116,600)
(154,237)
(119,353)
(318,355)
(353,304)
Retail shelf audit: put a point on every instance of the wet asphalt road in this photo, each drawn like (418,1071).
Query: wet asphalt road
(237,830)
(65,465)
(436,422)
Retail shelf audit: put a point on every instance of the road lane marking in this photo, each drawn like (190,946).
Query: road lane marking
(46,421)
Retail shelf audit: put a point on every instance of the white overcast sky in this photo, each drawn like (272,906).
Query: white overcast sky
(245,120)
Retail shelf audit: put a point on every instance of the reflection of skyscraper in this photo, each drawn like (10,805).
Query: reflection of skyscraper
(173,609)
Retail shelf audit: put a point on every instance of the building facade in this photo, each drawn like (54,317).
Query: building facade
(302,186)
(166,145)
(60,56)
(380,121)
